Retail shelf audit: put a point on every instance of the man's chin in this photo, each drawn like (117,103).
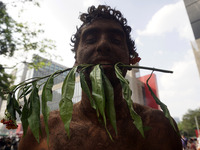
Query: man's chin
(107,66)
(109,71)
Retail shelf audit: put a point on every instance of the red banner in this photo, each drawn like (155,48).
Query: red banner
(197,133)
(149,100)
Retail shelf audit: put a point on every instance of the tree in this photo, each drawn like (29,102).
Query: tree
(188,126)
(5,81)
(6,28)
(19,37)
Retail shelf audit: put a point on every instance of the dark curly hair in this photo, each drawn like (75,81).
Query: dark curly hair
(103,11)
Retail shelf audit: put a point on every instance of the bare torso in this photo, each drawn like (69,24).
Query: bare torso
(87,133)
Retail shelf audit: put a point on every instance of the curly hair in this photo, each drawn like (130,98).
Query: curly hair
(103,11)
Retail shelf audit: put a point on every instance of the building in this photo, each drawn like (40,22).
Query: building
(136,86)
(193,11)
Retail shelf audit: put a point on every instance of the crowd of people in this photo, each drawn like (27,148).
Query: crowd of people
(9,143)
(190,143)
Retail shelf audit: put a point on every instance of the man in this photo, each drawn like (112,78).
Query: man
(104,38)
(184,142)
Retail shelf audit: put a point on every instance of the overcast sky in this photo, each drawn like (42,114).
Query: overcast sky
(163,38)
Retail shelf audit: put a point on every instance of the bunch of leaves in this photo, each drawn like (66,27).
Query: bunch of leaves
(101,97)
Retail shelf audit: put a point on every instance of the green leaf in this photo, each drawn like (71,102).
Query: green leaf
(25,115)
(98,90)
(47,96)
(66,105)
(127,96)
(162,105)
(110,106)
(10,106)
(34,118)
(86,89)
(16,106)
(98,93)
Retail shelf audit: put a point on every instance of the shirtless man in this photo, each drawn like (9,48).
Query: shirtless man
(104,38)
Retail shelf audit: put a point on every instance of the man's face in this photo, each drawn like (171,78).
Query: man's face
(102,42)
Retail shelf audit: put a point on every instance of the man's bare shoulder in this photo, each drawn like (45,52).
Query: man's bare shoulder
(154,118)
(159,128)
(150,115)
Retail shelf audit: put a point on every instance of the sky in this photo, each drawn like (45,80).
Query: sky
(162,33)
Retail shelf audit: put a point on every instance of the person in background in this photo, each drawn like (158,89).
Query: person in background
(184,141)
(191,144)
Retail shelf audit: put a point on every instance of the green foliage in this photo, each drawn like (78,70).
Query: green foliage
(98,93)
(47,96)
(66,105)
(25,114)
(6,47)
(6,27)
(5,81)
(34,118)
(187,126)
(38,62)
(86,89)
(109,95)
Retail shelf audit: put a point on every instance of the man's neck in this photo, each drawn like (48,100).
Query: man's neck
(121,108)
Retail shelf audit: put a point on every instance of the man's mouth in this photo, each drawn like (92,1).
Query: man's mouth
(104,63)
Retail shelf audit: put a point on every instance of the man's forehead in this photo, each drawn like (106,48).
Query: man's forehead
(107,25)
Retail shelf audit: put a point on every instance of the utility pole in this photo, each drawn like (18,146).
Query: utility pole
(197,126)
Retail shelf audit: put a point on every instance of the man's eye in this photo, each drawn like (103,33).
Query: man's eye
(116,41)
(90,40)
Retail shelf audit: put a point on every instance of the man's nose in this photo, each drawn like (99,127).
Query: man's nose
(103,45)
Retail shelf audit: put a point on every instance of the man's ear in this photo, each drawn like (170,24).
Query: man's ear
(129,63)
(130,60)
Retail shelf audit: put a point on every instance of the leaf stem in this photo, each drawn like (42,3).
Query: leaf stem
(83,66)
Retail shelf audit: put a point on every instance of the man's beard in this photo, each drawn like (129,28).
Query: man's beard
(108,71)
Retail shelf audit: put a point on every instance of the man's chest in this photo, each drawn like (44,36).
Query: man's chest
(86,135)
